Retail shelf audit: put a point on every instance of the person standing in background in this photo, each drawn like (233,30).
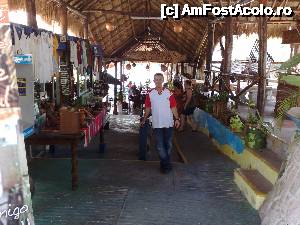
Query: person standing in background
(189,106)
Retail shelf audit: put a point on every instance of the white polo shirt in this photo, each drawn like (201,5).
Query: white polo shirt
(161,104)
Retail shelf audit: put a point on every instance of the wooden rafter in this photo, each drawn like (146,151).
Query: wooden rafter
(71,8)
(122,13)
(131,22)
(87,6)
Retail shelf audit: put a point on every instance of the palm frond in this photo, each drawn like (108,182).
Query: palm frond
(285,105)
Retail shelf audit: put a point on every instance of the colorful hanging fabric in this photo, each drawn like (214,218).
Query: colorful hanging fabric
(79,52)
(19,31)
(88,52)
(55,47)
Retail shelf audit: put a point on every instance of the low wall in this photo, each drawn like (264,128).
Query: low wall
(216,130)
(233,145)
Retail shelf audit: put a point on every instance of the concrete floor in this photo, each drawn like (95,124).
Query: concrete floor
(126,191)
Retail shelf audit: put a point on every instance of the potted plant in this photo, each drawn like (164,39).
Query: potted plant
(220,104)
(256,129)
(236,124)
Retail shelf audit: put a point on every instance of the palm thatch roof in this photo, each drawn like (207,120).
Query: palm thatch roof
(136,37)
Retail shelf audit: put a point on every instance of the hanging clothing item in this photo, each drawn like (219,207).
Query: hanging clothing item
(84,57)
(88,53)
(73,53)
(40,47)
(55,46)
(79,52)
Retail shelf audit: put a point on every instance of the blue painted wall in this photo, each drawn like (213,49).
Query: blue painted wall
(218,131)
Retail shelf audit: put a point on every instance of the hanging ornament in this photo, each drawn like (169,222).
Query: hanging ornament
(128,66)
(111,65)
(147,67)
(163,67)
(109,26)
(177,28)
(133,64)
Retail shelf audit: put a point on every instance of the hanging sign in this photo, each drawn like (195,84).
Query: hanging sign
(63,38)
(64,80)
(25,59)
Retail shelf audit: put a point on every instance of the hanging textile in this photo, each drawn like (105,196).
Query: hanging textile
(73,53)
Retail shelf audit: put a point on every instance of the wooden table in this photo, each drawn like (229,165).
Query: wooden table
(57,138)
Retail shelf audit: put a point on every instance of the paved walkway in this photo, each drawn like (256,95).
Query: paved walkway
(132,192)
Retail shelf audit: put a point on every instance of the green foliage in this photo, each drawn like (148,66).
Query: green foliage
(236,124)
(252,118)
(285,105)
(120,96)
(255,138)
(292,62)
(291,79)
(223,96)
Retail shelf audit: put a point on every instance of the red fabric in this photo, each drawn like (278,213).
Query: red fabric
(147,101)
(92,129)
(79,52)
(172,101)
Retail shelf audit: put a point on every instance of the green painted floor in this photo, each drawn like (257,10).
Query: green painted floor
(123,192)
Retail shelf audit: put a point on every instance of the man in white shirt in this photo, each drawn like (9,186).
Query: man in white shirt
(161,103)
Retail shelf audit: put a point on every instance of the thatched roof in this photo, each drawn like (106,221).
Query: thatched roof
(131,35)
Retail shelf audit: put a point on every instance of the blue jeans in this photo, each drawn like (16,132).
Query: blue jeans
(163,137)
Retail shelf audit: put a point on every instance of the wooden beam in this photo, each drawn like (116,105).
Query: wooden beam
(132,25)
(281,21)
(115,112)
(121,50)
(262,61)
(122,13)
(228,49)
(71,8)
(165,25)
(86,29)
(64,20)
(87,6)
(31,13)
(210,45)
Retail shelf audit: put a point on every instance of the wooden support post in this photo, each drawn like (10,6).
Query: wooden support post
(31,13)
(262,32)
(238,88)
(86,29)
(65,58)
(228,50)
(182,68)
(115,112)
(210,46)
(64,20)
(194,71)
(121,72)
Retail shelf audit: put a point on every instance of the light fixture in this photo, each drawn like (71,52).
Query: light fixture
(177,28)
(128,66)
(109,26)
(163,67)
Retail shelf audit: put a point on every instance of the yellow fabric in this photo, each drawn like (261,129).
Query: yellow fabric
(55,46)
